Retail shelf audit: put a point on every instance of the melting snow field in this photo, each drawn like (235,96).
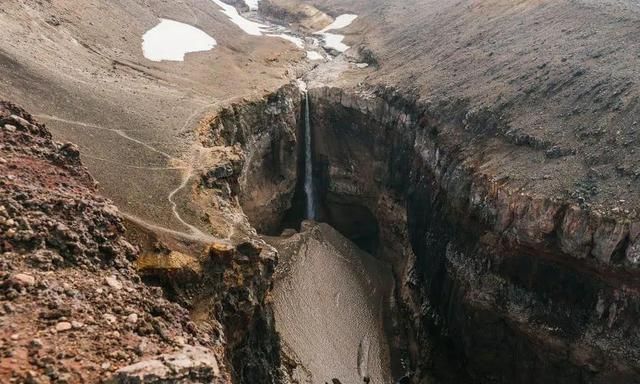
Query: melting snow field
(253,28)
(171,40)
(332,40)
(313,55)
(340,22)
(295,40)
(253,4)
(248,26)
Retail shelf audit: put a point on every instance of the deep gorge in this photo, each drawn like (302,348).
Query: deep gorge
(492,285)
(475,169)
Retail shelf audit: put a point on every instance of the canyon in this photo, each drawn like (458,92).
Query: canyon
(494,280)
(409,210)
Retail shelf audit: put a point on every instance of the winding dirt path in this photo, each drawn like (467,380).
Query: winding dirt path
(194,232)
(120,132)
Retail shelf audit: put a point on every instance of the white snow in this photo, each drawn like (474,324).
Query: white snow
(313,55)
(340,22)
(171,40)
(253,28)
(295,40)
(248,26)
(333,40)
(253,4)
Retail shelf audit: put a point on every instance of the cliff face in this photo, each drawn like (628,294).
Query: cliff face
(260,165)
(245,183)
(520,287)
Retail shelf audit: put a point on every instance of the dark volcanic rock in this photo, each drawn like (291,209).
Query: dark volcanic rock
(265,132)
(507,284)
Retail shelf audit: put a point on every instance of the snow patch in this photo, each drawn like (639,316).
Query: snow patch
(171,40)
(333,40)
(340,22)
(248,26)
(313,55)
(295,40)
(253,28)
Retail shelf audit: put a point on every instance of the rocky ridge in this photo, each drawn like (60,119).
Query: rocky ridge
(74,304)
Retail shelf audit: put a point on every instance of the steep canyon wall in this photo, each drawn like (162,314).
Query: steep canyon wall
(512,286)
(493,283)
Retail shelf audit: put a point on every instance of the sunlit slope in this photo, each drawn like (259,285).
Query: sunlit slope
(80,68)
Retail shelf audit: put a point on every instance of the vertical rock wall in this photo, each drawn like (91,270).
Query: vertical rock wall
(264,134)
(511,286)
(249,167)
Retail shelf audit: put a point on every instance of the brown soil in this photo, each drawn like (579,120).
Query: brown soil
(73,308)
(79,67)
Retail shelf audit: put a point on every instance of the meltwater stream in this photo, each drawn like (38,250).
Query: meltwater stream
(308,166)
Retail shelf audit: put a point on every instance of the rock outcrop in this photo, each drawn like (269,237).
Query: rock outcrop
(225,286)
(511,285)
(73,309)
(304,17)
(248,171)
(190,365)
(259,139)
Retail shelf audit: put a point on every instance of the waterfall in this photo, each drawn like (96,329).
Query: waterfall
(308,166)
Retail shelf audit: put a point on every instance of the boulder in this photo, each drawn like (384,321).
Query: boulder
(190,365)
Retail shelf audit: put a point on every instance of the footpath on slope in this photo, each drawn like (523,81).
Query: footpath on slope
(73,309)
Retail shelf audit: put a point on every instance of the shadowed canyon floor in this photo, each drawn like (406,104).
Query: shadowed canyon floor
(329,303)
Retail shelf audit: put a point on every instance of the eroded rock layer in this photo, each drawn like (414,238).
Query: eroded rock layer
(247,175)
(510,285)
(253,149)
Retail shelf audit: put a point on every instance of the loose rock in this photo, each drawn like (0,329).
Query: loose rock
(22,280)
(132,318)
(63,326)
(113,282)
